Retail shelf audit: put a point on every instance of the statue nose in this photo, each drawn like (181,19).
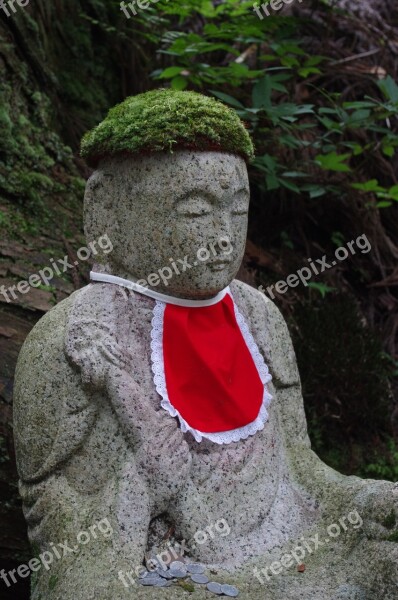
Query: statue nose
(223,224)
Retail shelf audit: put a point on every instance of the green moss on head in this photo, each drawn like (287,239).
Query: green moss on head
(393,537)
(167,120)
(390,520)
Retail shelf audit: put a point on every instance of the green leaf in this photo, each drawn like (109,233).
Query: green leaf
(267,160)
(179,83)
(393,191)
(312,61)
(227,99)
(359,104)
(314,190)
(329,111)
(207,8)
(356,148)
(333,162)
(170,72)
(262,93)
(272,182)
(389,88)
(322,288)
(338,238)
(289,185)
(290,61)
(360,115)
(286,240)
(294,174)
(305,71)
(388,151)
(329,124)
(369,186)
(283,48)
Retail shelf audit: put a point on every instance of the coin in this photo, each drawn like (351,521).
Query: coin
(178,573)
(166,574)
(229,590)
(149,575)
(199,578)
(195,568)
(177,564)
(153,581)
(214,587)
(146,573)
(163,583)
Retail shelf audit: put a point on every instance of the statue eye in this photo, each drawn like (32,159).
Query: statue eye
(240,204)
(194,207)
(240,210)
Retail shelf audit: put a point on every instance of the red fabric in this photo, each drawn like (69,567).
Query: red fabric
(211,377)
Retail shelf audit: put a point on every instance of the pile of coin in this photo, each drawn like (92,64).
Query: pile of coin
(190,572)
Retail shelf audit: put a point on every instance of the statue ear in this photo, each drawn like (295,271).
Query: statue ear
(100,212)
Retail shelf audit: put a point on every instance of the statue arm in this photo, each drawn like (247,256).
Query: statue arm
(70,476)
(106,366)
(337,492)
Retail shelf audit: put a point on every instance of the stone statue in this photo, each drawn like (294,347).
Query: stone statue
(98,440)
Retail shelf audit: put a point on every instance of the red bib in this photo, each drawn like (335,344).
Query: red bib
(209,371)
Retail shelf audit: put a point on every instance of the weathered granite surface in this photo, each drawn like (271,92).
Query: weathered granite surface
(93,442)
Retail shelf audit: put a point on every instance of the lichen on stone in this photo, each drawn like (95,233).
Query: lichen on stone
(390,520)
(166,120)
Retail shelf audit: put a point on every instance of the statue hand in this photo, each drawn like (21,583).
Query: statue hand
(377,504)
(162,453)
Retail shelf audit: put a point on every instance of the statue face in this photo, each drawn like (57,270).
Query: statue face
(177,221)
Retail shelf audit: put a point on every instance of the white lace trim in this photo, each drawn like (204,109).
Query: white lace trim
(222,437)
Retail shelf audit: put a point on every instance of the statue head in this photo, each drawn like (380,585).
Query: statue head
(170,189)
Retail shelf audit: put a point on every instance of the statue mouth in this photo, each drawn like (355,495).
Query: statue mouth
(218,265)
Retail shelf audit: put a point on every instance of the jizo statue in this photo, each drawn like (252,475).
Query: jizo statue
(159,410)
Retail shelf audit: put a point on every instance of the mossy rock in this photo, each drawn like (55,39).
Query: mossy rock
(166,120)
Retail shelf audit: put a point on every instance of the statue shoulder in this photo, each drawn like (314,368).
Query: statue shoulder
(270,331)
(50,404)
